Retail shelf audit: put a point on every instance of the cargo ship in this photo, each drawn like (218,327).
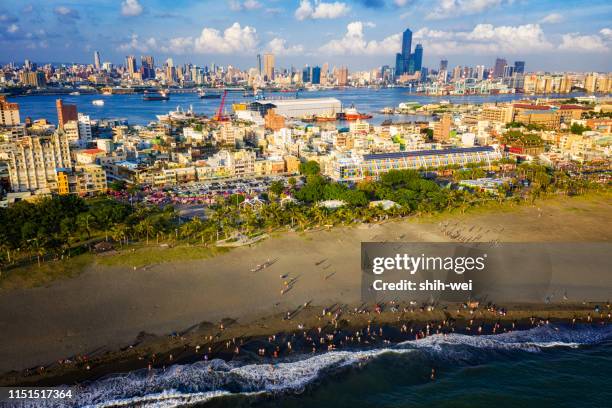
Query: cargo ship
(158,96)
(352,114)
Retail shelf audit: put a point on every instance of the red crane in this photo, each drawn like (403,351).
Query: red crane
(219,116)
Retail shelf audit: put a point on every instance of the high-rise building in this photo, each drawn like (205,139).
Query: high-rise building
(399,64)
(269,67)
(315,75)
(33,161)
(443,65)
(342,76)
(33,78)
(498,70)
(519,67)
(259,64)
(147,67)
(441,131)
(65,113)
(418,57)
(306,74)
(405,62)
(508,71)
(9,112)
(97,60)
(130,64)
(84,123)
(406,42)
(480,69)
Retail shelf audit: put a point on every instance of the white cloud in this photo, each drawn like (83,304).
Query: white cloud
(131,8)
(237,5)
(234,39)
(401,3)
(606,33)
(135,44)
(454,8)
(354,43)
(552,18)
(485,39)
(278,46)
(575,42)
(66,13)
(13,28)
(321,10)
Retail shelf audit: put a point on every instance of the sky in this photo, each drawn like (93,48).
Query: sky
(362,34)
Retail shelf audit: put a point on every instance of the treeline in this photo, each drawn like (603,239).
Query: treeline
(59,226)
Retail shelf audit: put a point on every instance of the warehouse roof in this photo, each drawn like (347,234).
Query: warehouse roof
(397,155)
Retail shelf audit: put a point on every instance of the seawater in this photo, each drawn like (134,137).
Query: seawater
(548,366)
(139,112)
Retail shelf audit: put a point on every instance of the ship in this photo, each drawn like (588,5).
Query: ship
(177,114)
(208,95)
(307,118)
(75,93)
(326,117)
(352,114)
(97,102)
(158,96)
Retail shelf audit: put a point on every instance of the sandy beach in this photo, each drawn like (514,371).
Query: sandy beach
(107,307)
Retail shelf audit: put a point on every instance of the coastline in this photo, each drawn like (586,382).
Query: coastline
(105,309)
(379,326)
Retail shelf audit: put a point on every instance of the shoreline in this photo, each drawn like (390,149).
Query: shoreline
(281,338)
(106,307)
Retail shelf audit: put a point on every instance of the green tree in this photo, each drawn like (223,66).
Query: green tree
(310,168)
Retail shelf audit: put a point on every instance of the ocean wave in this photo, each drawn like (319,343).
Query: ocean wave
(183,385)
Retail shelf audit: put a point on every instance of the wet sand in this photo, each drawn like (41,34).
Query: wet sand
(105,308)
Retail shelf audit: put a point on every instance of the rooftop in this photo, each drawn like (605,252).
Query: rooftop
(416,153)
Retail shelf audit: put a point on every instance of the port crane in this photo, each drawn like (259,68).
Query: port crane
(219,117)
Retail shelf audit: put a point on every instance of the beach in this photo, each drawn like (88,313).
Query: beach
(107,307)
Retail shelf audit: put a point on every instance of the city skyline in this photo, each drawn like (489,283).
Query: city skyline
(361,34)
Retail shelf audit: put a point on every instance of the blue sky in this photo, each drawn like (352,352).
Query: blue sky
(549,35)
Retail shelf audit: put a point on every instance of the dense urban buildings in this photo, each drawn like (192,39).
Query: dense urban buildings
(278,128)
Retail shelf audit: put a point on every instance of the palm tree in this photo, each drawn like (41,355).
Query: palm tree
(84,221)
(146,227)
(119,233)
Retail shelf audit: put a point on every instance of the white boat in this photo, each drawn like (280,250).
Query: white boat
(75,93)
(98,102)
(177,114)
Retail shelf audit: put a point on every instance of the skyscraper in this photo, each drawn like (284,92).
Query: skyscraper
(65,113)
(97,60)
(519,67)
(498,70)
(130,64)
(315,76)
(269,67)
(443,65)
(405,62)
(259,64)
(418,57)
(399,64)
(342,76)
(306,74)
(406,43)
(147,67)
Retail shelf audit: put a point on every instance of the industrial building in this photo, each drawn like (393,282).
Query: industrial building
(298,108)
